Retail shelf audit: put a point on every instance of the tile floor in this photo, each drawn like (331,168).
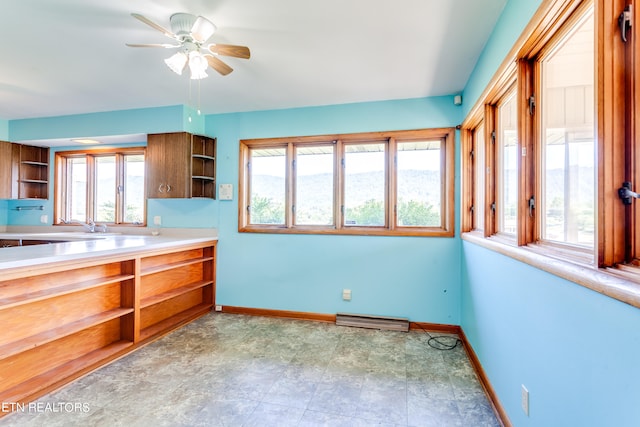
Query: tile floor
(235,370)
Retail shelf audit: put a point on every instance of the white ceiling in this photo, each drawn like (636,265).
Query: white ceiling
(69,56)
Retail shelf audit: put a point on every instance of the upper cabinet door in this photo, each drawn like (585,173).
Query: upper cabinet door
(6,161)
(168,165)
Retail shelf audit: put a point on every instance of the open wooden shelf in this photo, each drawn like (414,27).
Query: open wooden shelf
(175,321)
(28,162)
(202,156)
(30,297)
(51,335)
(35,181)
(34,387)
(156,299)
(165,267)
(33,176)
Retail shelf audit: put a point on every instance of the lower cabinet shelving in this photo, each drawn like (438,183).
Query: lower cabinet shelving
(62,322)
(175,288)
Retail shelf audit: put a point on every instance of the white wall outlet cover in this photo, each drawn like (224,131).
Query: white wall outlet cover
(44,219)
(157,220)
(346,294)
(225,192)
(525,400)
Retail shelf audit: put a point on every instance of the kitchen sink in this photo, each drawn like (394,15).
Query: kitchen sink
(10,243)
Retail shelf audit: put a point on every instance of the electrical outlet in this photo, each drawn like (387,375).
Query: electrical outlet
(346,294)
(218,308)
(44,219)
(157,220)
(525,400)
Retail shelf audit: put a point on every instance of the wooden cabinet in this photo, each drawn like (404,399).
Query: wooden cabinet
(33,178)
(24,171)
(62,323)
(180,165)
(175,287)
(7,187)
(203,166)
(59,322)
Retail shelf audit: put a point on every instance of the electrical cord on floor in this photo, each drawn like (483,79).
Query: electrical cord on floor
(437,343)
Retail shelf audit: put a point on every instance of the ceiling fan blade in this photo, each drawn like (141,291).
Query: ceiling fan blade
(230,50)
(154,25)
(164,45)
(202,29)
(218,65)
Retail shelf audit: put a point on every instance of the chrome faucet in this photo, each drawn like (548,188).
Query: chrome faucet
(89,226)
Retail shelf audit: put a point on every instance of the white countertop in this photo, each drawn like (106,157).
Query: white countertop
(79,245)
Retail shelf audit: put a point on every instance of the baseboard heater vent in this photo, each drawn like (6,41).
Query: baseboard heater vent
(373,322)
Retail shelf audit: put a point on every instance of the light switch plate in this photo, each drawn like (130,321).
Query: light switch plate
(225,192)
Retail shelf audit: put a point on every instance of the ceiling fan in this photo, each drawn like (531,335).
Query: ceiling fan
(191,34)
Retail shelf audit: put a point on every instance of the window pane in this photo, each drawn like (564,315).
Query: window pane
(105,208)
(77,189)
(508,165)
(134,188)
(314,185)
(268,171)
(568,146)
(419,184)
(364,176)
(479,178)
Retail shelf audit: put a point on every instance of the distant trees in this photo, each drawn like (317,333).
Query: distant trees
(410,213)
(107,213)
(415,213)
(265,210)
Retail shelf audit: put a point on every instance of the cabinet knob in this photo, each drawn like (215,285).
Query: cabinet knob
(168,188)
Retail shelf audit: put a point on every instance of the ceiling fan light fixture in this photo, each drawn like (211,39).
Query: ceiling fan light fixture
(177,62)
(197,65)
(202,29)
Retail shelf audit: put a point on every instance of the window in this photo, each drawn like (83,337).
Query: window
(567,169)
(267,191)
(479,180)
(572,149)
(507,172)
(418,162)
(365,198)
(314,196)
(396,183)
(100,186)
(542,188)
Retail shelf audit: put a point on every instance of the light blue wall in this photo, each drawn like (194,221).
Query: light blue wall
(124,122)
(513,20)
(4,130)
(3,212)
(574,349)
(411,277)
(183,213)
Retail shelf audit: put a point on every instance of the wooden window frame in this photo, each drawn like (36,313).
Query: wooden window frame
(612,266)
(390,228)
(60,186)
